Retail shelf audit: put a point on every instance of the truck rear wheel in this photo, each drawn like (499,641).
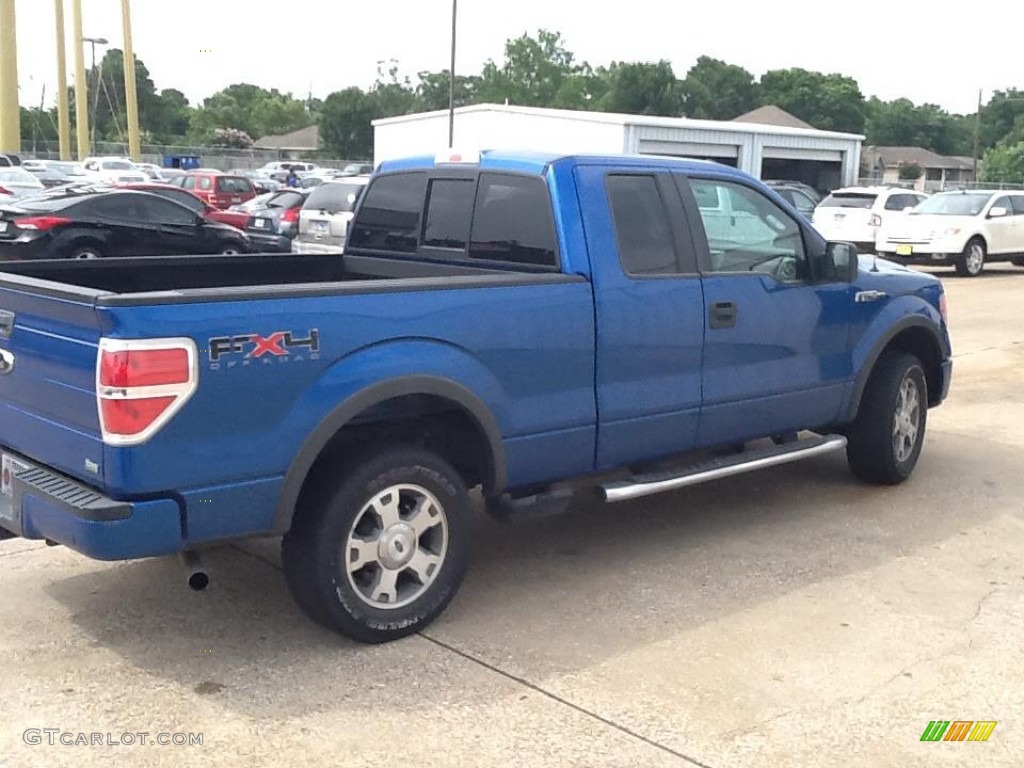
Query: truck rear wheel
(378,553)
(886,438)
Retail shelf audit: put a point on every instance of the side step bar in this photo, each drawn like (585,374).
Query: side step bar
(715,469)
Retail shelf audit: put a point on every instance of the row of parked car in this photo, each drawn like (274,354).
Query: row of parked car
(116,209)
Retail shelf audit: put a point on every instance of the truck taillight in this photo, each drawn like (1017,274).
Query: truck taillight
(141,384)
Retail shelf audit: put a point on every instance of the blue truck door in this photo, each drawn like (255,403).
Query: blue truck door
(776,355)
(650,314)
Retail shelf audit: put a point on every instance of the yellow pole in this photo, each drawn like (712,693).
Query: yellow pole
(10,110)
(63,116)
(81,86)
(130,96)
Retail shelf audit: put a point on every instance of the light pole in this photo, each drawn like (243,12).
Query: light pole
(93,42)
(10,110)
(451,80)
(63,114)
(131,98)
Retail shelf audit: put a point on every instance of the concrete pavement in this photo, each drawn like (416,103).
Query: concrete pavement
(788,618)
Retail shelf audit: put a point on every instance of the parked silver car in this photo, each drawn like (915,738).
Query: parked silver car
(324,219)
(17,183)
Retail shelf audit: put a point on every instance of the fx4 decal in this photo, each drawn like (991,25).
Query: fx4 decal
(253,349)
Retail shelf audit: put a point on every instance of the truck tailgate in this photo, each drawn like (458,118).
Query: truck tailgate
(48,408)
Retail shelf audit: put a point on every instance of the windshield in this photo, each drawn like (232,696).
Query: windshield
(117,165)
(955,204)
(335,198)
(285,200)
(849,200)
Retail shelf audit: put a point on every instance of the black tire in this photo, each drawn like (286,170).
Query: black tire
(84,251)
(971,262)
(316,552)
(230,249)
(872,451)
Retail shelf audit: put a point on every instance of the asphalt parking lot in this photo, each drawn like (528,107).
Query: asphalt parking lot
(788,618)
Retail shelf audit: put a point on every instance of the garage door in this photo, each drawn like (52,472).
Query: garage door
(689,149)
(786,153)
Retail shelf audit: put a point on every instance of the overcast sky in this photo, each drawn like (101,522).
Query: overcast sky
(892,48)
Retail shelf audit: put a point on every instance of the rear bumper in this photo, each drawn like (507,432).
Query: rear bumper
(47,505)
(266,243)
(332,245)
(947,377)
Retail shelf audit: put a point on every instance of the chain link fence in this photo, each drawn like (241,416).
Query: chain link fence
(222,158)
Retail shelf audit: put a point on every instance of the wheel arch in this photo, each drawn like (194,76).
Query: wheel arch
(375,405)
(914,334)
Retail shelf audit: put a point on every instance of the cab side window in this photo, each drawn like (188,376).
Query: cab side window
(747,232)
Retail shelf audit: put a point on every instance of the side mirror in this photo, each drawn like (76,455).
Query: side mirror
(841,262)
(997,212)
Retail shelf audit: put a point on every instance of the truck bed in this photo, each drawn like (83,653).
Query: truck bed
(183,279)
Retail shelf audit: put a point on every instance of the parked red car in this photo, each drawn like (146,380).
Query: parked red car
(220,190)
(195,203)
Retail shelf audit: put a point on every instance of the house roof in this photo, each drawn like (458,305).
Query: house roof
(893,157)
(613,118)
(307,139)
(773,115)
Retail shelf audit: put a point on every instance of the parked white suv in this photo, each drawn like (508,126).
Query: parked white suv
(855,214)
(326,214)
(113,170)
(963,229)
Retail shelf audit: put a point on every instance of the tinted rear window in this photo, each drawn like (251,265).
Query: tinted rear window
(233,184)
(335,198)
(841,200)
(286,200)
(513,221)
(641,226)
(390,217)
(449,205)
(181,197)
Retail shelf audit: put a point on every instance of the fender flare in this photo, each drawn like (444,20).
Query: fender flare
(861,382)
(494,480)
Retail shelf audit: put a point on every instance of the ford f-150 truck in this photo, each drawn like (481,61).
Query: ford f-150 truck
(535,325)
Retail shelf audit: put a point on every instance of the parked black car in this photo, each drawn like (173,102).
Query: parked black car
(118,223)
(273,226)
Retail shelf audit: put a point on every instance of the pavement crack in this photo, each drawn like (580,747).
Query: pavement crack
(565,702)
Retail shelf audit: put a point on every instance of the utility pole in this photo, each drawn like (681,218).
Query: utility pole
(130,95)
(81,88)
(10,109)
(63,116)
(451,80)
(977,136)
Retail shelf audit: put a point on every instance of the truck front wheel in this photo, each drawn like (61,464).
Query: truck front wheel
(379,552)
(885,439)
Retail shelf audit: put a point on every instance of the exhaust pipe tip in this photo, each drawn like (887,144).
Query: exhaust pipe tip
(197,578)
(198,581)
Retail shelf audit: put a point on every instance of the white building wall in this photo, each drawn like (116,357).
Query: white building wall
(493,130)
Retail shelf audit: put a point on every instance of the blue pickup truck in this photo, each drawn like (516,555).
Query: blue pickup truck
(537,326)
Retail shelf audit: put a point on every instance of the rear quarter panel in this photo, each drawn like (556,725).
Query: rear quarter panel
(526,351)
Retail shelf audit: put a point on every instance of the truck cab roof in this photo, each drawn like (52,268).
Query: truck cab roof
(538,162)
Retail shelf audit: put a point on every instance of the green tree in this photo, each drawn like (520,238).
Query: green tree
(644,89)
(999,117)
(584,89)
(249,108)
(392,95)
(432,90)
(1004,164)
(345,123)
(714,90)
(829,102)
(107,103)
(901,123)
(910,171)
(532,74)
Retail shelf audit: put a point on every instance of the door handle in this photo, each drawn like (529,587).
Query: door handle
(722,315)
(864,297)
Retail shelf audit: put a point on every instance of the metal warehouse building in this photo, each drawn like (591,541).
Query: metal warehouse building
(767,143)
